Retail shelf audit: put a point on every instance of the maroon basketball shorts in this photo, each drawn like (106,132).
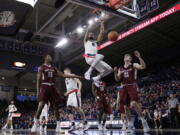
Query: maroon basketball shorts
(104,104)
(49,93)
(127,94)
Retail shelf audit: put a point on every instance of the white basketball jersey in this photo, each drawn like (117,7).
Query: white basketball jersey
(91,47)
(12,108)
(71,84)
(45,109)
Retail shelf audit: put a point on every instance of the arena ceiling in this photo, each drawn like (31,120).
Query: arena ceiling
(48,24)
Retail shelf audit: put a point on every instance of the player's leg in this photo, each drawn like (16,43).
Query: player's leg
(11,124)
(55,100)
(35,126)
(100,118)
(41,122)
(104,69)
(92,62)
(104,120)
(69,104)
(57,116)
(155,122)
(130,123)
(123,118)
(7,122)
(71,118)
(132,92)
(46,122)
(81,112)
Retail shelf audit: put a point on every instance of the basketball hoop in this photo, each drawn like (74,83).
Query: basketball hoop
(118,4)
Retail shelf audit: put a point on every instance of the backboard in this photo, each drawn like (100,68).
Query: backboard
(135,8)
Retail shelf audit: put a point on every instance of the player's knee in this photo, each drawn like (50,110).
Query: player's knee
(133,103)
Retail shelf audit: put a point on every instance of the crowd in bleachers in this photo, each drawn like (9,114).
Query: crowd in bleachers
(154,96)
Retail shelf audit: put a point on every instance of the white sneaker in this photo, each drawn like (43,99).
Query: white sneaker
(145,126)
(104,128)
(72,129)
(87,76)
(124,126)
(41,128)
(129,129)
(35,128)
(96,78)
(86,127)
(45,128)
(100,127)
(58,127)
(4,128)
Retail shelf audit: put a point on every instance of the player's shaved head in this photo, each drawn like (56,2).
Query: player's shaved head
(91,36)
(67,70)
(127,57)
(48,58)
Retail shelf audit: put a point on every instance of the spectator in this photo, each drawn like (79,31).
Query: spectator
(173,105)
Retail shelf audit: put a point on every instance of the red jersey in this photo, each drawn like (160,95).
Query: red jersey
(49,74)
(101,92)
(128,75)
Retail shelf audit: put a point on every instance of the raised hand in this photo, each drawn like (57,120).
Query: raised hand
(137,54)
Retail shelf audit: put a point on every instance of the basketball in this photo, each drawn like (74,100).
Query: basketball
(112,36)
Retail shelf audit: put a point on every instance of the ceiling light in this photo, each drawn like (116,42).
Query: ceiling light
(103,14)
(30,2)
(90,22)
(80,30)
(3,78)
(62,42)
(96,19)
(19,64)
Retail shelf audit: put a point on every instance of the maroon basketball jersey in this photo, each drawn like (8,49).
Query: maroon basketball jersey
(101,92)
(128,75)
(49,74)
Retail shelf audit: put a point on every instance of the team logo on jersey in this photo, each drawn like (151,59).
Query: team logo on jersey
(7,18)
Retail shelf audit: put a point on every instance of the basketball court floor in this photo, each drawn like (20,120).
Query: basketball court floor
(94,132)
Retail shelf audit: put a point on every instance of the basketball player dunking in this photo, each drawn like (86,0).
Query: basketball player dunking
(46,90)
(74,86)
(92,57)
(129,96)
(11,109)
(103,103)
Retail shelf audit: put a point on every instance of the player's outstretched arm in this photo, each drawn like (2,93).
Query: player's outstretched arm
(86,35)
(14,108)
(142,64)
(117,74)
(94,90)
(117,101)
(39,74)
(79,87)
(60,74)
(101,33)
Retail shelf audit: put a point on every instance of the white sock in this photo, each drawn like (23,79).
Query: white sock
(130,123)
(36,121)
(142,119)
(58,123)
(5,126)
(111,118)
(90,70)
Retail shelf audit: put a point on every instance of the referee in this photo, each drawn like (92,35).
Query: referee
(173,105)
